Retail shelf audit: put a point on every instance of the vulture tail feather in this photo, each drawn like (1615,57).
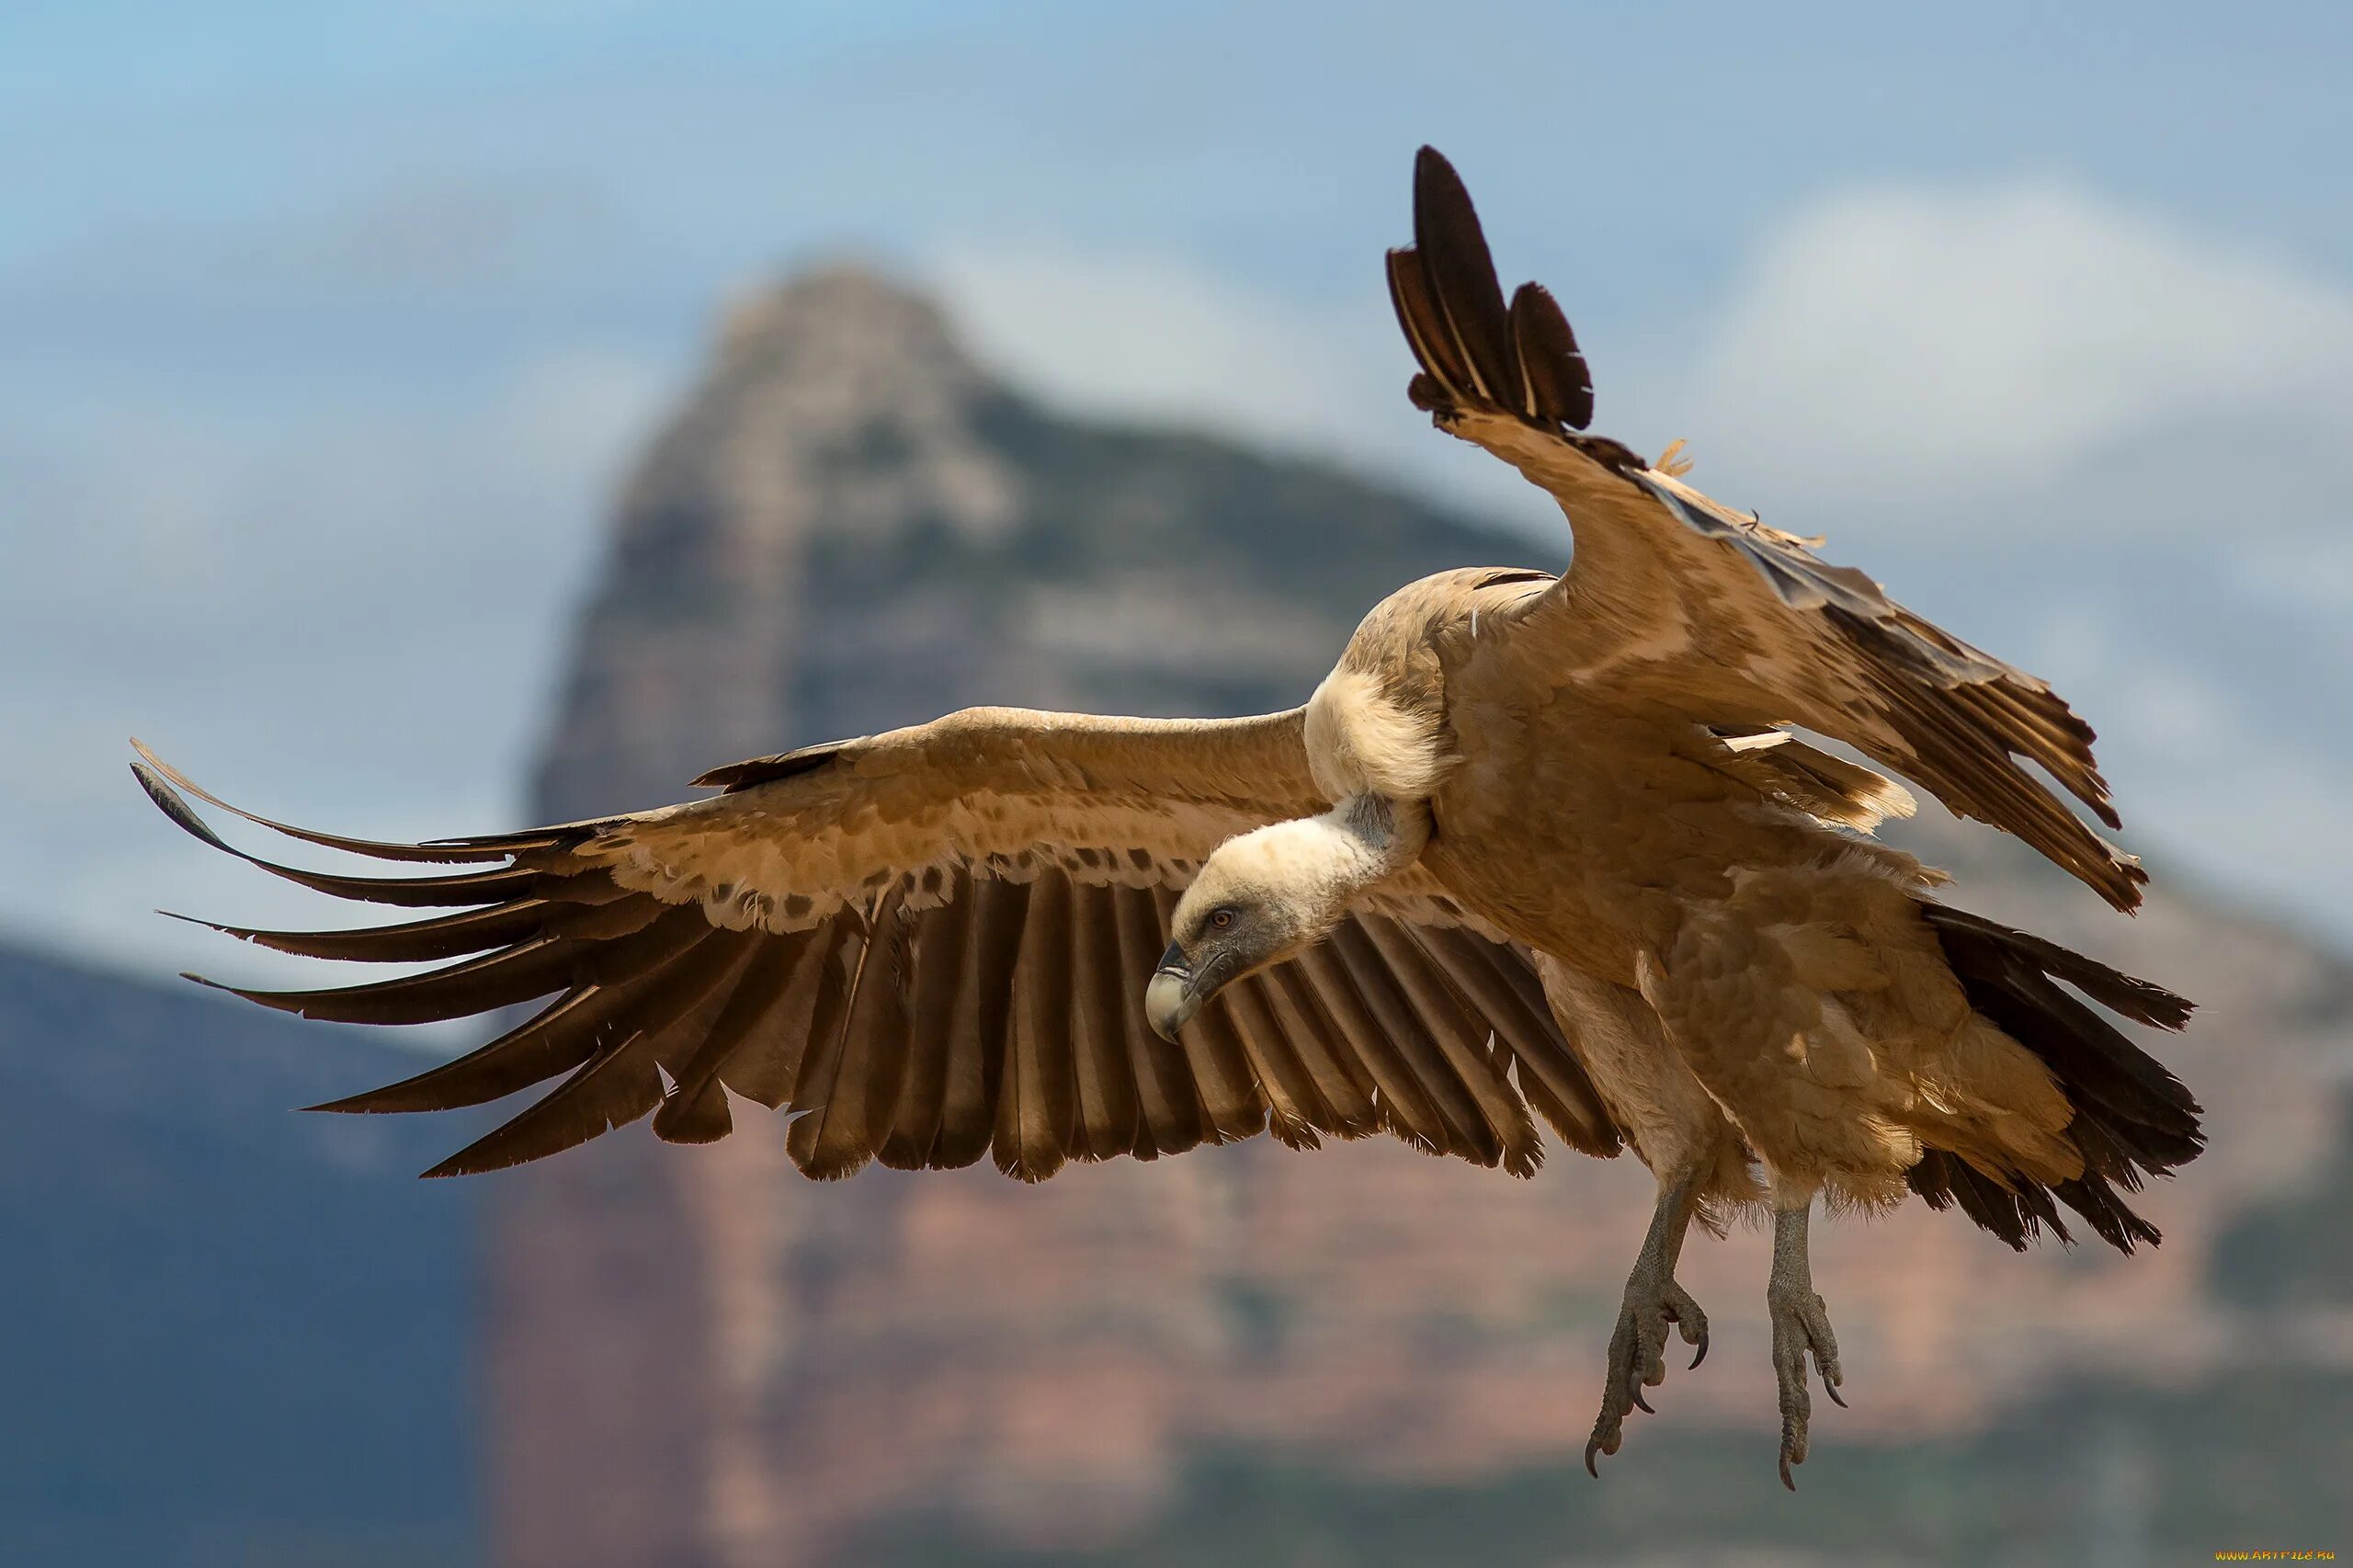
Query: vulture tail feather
(2133,1119)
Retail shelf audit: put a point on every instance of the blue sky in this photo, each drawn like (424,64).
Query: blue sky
(325,330)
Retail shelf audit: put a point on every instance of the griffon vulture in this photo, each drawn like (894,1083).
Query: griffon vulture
(1538,847)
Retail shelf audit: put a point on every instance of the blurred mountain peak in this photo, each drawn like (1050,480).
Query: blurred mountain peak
(845,322)
(838,401)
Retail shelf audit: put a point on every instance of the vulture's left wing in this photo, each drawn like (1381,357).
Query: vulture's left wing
(1675,600)
(932,945)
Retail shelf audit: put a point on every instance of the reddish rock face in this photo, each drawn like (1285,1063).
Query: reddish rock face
(693,1356)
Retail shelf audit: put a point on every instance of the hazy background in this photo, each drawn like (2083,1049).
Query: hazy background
(327,336)
(324,329)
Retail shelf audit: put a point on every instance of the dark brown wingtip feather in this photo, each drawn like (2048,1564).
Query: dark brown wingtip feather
(414,941)
(694,1118)
(415,893)
(168,801)
(478,985)
(494,847)
(1462,277)
(556,1040)
(1445,379)
(614,1089)
(1556,385)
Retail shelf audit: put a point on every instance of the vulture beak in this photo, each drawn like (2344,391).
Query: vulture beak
(1169,1002)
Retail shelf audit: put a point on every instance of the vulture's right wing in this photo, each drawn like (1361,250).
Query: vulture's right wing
(931,946)
(1675,601)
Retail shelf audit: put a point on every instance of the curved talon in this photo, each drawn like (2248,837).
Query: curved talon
(1799,1332)
(1592,1447)
(1794,1447)
(1690,1322)
(1634,1393)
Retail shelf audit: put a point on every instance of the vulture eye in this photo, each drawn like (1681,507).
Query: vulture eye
(1221,918)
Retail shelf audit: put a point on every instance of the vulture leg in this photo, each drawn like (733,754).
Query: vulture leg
(1638,1348)
(1801,1326)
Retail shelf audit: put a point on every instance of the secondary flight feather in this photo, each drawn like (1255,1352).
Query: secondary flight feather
(1539,850)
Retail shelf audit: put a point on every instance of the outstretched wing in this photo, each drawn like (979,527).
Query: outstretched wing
(1675,600)
(931,946)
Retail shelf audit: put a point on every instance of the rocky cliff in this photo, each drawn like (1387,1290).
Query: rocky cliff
(698,1359)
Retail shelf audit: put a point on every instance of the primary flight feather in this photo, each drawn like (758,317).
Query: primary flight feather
(1538,848)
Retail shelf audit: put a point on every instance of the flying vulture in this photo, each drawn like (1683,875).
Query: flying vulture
(1541,848)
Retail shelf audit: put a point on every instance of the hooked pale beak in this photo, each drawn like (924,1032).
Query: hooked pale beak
(1170,1001)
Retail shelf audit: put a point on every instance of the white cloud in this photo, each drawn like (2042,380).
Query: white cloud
(1965,336)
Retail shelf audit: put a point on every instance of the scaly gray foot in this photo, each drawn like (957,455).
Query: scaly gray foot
(1638,1349)
(1800,1328)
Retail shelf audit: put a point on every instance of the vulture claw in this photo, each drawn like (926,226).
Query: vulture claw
(1637,1358)
(1801,1329)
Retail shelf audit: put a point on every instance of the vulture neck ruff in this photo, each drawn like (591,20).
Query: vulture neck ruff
(1360,741)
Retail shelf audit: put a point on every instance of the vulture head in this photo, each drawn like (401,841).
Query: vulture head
(1265,895)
